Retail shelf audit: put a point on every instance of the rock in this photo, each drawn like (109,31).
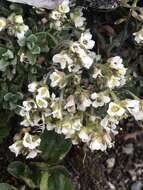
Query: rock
(128,149)
(137,185)
(110,162)
(101,4)
(48,4)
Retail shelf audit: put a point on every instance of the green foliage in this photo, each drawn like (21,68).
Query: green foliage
(54,147)
(5,186)
(59,180)
(23,172)
(41,175)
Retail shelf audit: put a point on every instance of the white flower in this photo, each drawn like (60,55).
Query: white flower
(29,104)
(139,36)
(84,102)
(58,25)
(22,29)
(32,87)
(76,48)
(42,103)
(32,154)
(99,99)
(86,40)
(31,119)
(132,105)
(77,18)
(57,110)
(2,23)
(43,92)
(63,59)
(110,124)
(16,147)
(115,110)
(30,141)
(97,144)
(79,21)
(84,136)
(97,73)
(113,82)
(77,124)
(100,142)
(56,15)
(18,19)
(25,123)
(134,108)
(64,7)
(70,105)
(67,128)
(57,79)
(86,60)
(116,63)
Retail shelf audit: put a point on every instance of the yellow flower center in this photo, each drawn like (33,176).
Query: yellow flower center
(115,109)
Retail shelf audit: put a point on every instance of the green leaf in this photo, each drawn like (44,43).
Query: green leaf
(3,64)
(32,38)
(42,41)
(31,57)
(54,147)
(8,55)
(6,186)
(23,172)
(59,180)
(36,50)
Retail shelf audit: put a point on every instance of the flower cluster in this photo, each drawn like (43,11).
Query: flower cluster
(15,26)
(78,55)
(79,95)
(59,16)
(77,111)
(27,145)
(76,116)
(117,72)
(63,15)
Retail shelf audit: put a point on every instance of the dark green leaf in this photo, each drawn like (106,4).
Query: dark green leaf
(23,172)
(54,147)
(59,181)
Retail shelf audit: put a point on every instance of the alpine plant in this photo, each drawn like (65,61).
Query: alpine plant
(80,95)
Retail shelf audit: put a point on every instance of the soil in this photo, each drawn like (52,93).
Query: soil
(120,168)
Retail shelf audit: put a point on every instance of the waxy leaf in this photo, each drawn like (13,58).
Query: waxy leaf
(54,147)
(48,4)
(59,180)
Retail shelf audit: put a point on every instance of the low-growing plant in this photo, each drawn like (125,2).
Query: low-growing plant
(65,92)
